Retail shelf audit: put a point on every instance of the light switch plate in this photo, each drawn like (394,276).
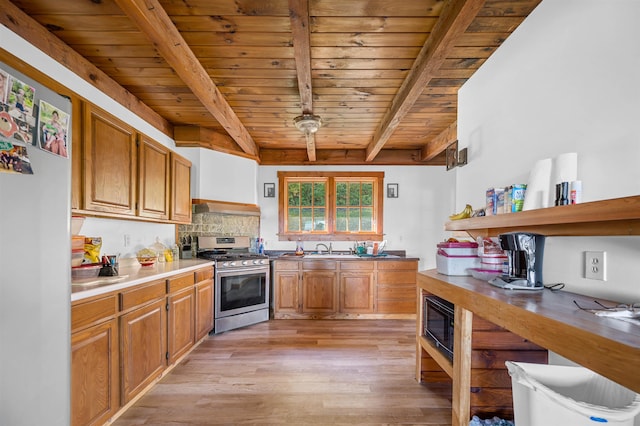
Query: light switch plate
(595,265)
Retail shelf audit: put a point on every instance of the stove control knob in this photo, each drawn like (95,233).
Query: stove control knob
(229,263)
(245,262)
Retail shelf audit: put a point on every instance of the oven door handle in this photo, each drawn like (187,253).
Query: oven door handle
(264,268)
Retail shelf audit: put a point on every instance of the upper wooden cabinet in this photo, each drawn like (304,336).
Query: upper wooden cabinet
(154,179)
(119,172)
(180,189)
(110,163)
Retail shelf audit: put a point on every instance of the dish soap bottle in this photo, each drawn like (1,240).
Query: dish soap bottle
(299,249)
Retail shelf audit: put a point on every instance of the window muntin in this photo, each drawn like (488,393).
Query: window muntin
(331,205)
(354,205)
(306,205)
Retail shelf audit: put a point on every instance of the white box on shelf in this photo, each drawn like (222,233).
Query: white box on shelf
(455,265)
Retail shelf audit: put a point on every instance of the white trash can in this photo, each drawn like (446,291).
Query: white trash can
(546,395)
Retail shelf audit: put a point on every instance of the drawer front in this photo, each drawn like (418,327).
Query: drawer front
(396,277)
(398,265)
(204,274)
(356,265)
(95,311)
(143,294)
(180,282)
(312,265)
(286,265)
(396,292)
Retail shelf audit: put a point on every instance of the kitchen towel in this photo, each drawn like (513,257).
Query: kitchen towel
(537,194)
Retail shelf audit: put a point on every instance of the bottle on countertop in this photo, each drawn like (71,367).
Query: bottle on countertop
(261,246)
(299,248)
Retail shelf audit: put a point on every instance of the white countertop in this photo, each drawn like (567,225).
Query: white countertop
(133,274)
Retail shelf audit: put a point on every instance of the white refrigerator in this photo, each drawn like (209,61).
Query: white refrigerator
(35,262)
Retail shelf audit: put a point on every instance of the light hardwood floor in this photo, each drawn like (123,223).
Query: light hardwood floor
(298,372)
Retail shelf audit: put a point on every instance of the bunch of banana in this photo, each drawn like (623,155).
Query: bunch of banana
(464,214)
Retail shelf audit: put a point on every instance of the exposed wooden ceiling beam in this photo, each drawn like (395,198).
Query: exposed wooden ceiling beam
(405,157)
(202,137)
(440,142)
(299,14)
(26,27)
(154,22)
(454,20)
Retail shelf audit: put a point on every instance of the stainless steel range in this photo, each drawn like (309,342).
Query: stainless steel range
(241,295)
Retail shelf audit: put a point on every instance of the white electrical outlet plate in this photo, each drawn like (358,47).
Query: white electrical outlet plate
(595,265)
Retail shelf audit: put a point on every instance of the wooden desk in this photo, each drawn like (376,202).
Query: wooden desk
(549,319)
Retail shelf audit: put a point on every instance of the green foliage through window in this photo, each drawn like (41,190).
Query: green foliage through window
(306,206)
(336,204)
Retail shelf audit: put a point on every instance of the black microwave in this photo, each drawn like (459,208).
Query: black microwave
(438,324)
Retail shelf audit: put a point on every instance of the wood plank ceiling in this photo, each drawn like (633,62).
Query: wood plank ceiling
(231,75)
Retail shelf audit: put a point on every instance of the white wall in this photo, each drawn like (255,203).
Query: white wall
(222,177)
(412,222)
(565,81)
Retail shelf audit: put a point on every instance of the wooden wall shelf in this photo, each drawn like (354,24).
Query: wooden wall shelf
(618,216)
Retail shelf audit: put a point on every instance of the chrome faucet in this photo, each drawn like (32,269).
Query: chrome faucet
(329,249)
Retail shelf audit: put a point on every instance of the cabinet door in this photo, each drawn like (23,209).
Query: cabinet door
(94,374)
(356,292)
(110,164)
(143,340)
(204,308)
(319,292)
(181,323)
(153,179)
(181,189)
(286,294)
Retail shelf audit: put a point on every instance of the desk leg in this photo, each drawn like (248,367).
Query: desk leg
(461,398)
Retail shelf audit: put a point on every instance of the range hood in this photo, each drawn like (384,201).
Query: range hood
(223,207)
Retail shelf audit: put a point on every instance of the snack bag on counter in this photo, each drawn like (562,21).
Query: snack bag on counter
(92,246)
(489,247)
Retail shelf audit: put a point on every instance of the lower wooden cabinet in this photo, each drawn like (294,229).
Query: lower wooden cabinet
(180,315)
(344,289)
(204,302)
(397,287)
(143,343)
(357,287)
(286,288)
(123,341)
(319,293)
(94,361)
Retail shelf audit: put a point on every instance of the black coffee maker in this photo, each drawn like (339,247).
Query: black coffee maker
(524,253)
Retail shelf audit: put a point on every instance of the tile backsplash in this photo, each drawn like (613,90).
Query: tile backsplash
(220,224)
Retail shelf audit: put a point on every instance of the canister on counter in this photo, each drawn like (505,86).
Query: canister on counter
(517,197)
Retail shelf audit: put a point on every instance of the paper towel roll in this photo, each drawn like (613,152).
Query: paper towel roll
(537,194)
(565,168)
